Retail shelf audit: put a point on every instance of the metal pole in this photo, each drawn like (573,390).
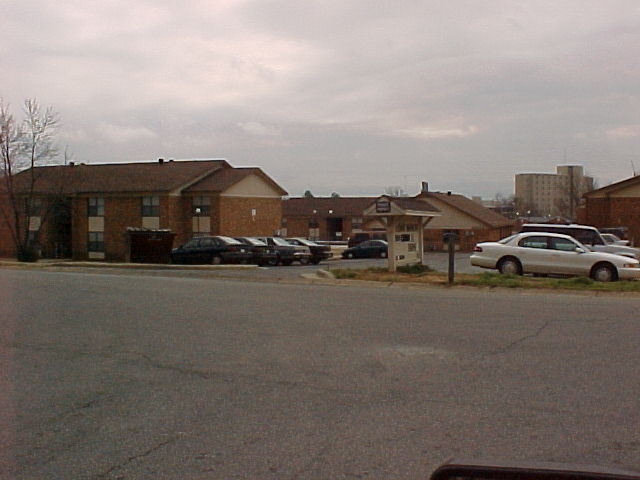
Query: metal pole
(452,250)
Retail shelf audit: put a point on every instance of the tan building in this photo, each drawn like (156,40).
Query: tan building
(469,220)
(551,195)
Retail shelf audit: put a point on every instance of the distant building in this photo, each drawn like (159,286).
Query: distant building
(338,218)
(551,195)
(327,218)
(468,219)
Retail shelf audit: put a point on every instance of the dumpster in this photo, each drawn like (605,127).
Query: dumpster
(149,246)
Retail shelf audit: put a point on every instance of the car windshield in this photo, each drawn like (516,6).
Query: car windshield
(610,237)
(229,240)
(280,241)
(506,239)
(303,241)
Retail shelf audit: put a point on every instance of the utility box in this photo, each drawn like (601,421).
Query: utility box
(149,246)
(405,241)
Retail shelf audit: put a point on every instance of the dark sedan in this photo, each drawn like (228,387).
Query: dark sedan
(318,252)
(287,252)
(213,250)
(367,249)
(263,254)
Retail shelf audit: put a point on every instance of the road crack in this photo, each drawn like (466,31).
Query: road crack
(138,456)
(522,339)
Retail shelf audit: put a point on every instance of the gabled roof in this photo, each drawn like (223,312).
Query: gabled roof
(340,206)
(223,179)
(156,177)
(614,187)
(416,204)
(386,205)
(468,206)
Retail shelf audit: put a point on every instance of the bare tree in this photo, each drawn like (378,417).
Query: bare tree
(577,186)
(505,205)
(25,145)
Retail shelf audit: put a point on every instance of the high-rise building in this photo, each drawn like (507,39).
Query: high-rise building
(552,195)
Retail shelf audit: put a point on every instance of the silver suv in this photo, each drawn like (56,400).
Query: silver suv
(585,234)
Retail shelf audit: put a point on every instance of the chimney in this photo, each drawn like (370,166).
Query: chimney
(425,187)
(161,161)
(449,193)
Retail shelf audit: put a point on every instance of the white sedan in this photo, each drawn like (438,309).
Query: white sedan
(552,254)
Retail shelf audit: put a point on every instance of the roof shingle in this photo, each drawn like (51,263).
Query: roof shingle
(117,178)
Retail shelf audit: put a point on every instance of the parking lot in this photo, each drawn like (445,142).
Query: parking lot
(172,376)
(438,261)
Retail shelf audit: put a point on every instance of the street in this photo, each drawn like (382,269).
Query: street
(130,375)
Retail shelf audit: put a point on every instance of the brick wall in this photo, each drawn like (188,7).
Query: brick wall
(235,216)
(7,246)
(615,212)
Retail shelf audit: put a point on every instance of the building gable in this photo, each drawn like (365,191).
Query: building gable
(252,186)
(453,218)
(624,189)
(460,212)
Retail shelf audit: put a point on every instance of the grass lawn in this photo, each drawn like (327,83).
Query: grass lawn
(423,274)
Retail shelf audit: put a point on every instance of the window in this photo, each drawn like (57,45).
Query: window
(356,223)
(95,207)
(563,244)
(202,206)
(35,208)
(534,242)
(96,242)
(151,206)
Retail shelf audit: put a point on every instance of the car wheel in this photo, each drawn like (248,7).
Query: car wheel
(510,266)
(286,263)
(304,261)
(603,273)
(383,254)
(272,262)
(315,261)
(216,260)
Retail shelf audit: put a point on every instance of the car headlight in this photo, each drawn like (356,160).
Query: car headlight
(631,265)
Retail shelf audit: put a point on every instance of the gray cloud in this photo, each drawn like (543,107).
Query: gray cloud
(339,96)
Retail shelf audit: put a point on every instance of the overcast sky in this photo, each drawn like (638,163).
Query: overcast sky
(345,96)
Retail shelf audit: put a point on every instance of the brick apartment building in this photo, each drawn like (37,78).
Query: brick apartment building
(616,205)
(92,212)
(337,218)
(327,218)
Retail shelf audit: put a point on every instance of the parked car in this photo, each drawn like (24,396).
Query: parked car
(367,249)
(211,249)
(262,254)
(318,252)
(288,253)
(360,237)
(585,234)
(613,239)
(552,254)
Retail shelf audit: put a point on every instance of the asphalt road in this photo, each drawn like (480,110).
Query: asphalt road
(151,377)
